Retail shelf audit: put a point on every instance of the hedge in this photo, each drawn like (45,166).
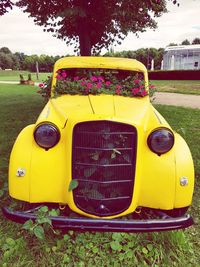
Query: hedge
(174,75)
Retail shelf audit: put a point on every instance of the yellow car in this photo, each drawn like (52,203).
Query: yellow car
(101,150)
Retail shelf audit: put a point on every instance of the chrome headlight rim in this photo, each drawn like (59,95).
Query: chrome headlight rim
(152,135)
(53,128)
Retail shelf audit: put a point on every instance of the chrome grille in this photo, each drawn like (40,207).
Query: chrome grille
(103,163)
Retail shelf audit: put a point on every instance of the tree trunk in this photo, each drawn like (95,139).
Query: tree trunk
(83,29)
(84,37)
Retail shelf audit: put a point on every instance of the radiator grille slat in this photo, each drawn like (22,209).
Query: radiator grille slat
(103,162)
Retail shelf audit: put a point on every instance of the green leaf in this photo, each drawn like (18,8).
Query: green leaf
(44,220)
(7,254)
(28,225)
(39,232)
(105,161)
(95,250)
(43,209)
(89,172)
(54,248)
(108,174)
(117,151)
(115,245)
(150,247)
(47,250)
(110,145)
(66,237)
(127,158)
(113,155)
(129,254)
(144,250)
(73,184)
(11,242)
(117,236)
(95,156)
(54,212)
(66,259)
(71,232)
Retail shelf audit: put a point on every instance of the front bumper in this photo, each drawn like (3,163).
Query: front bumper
(105,225)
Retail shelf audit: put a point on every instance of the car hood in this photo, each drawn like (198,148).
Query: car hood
(135,110)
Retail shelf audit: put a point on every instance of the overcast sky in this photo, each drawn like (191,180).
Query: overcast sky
(19,33)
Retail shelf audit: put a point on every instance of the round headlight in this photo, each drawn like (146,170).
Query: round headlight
(46,135)
(161,141)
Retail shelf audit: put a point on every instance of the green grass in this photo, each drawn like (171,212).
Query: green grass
(182,87)
(14,75)
(20,106)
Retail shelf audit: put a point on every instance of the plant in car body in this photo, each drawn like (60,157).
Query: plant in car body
(96,82)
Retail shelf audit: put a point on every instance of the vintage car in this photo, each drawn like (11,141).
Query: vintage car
(101,150)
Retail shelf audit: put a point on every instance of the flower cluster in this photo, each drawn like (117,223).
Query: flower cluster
(106,82)
(45,88)
(99,84)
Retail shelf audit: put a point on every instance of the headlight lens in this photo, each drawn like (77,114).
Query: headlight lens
(161,141)
(46,135)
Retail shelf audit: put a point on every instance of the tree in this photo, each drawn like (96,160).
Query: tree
(185,42)
(20,57)
(172,44)
(5,50)
(196,41)
(5,5)
(94,24)
(6,61)
(145,55)
(30,62)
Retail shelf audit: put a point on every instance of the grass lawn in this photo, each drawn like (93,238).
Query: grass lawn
(173,86)
(19,106)
(14,75)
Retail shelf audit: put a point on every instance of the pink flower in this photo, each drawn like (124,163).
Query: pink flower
(83,83)
(118,87)
(151,86)
(100,78)
(40,85)
(64,74)
(89,85)
(76,78)
(94,79)
(135,91)
(118,91)
(58,71)
(58,77)
(99,85)
(143,93)
(108,83)
(136,81)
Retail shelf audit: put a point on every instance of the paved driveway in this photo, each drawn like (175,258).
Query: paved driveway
(174,99)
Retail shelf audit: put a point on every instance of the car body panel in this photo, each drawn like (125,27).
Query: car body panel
(48,173)
(150,183)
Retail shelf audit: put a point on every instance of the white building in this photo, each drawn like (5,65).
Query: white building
(183,57)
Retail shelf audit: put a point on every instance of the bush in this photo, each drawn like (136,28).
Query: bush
(175,75)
